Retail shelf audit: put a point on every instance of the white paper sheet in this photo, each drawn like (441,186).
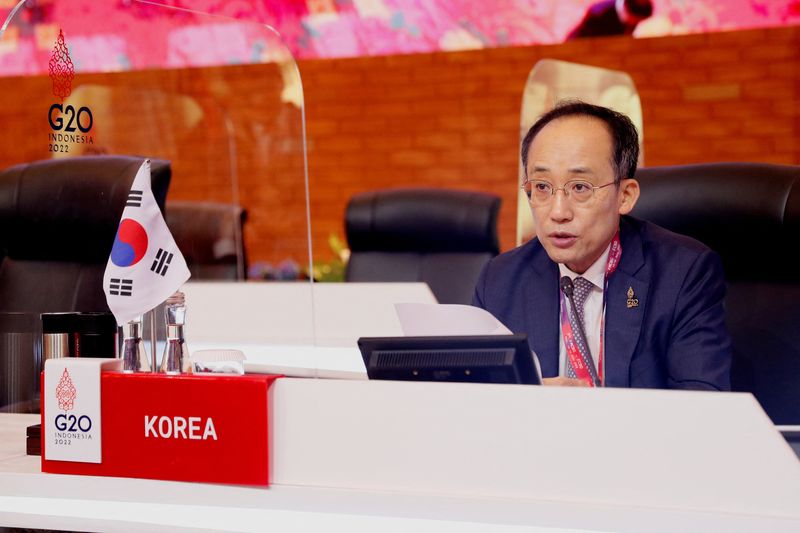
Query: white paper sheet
(425,320)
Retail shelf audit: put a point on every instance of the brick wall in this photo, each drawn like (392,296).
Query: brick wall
(452,120)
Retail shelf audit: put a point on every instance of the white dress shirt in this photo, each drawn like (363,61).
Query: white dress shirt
(592,309)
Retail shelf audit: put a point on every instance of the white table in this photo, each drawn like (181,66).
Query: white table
(385,456)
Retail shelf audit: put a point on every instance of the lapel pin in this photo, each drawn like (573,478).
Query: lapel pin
(632,301)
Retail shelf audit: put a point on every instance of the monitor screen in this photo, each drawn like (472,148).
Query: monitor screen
(476,359)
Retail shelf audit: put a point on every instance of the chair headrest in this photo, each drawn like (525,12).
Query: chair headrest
(423,220)
(206,232)
(69,209)
(749,213)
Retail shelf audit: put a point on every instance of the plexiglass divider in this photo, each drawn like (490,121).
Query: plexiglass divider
(221,99)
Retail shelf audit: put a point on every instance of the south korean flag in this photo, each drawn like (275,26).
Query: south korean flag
(145,266)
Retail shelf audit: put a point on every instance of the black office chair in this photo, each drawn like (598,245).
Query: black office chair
(210,235)
(749,213)
(441,237)
(58,220)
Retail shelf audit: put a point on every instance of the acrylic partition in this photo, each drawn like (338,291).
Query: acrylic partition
(551,81)
(219,98)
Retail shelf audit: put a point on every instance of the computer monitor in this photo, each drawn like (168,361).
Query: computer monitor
(475,359)
(792,436)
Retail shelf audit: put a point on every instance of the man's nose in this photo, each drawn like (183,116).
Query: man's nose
(560,206)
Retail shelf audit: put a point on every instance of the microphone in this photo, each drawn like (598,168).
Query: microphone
(568,288)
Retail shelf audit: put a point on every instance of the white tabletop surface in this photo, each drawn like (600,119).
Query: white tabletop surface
(31,499)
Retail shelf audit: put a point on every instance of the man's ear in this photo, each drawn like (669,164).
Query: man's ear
(628,195)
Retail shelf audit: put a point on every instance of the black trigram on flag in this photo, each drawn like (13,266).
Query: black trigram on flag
(134,199)
(162,261)
(120,287)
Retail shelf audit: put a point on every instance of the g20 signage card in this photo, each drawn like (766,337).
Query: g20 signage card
(69,125)
(72,409)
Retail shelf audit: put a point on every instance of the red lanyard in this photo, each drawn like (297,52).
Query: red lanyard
(575,359)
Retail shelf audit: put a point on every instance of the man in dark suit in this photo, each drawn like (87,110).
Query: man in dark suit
(642,307)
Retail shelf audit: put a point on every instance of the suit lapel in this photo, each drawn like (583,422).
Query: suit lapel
(623,318)
(541,313)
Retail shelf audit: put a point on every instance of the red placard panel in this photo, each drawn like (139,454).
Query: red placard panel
(198,428)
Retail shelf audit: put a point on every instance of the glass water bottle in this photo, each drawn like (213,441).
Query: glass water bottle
(176,354)
(134,356)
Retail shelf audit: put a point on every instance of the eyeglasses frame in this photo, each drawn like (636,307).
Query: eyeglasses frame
(563,188)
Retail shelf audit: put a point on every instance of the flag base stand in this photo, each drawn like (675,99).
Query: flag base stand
(211,429)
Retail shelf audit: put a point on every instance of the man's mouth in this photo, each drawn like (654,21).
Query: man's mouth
(562,239)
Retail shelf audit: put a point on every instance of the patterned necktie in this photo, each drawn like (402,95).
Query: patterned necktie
(582,288)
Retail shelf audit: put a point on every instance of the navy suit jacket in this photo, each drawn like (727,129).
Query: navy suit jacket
(675,338)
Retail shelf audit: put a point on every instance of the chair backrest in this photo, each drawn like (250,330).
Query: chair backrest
(58,220)
(210,237)
(442,237)
(749,213)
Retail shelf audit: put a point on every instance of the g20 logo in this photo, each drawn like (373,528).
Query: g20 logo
(80,119)
(73,423)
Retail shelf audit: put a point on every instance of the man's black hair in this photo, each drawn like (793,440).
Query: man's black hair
(624,137)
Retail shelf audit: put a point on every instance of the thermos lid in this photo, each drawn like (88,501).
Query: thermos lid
(83,323)
(95,323)
(58,323)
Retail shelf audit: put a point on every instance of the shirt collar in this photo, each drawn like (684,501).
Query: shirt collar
(596,273)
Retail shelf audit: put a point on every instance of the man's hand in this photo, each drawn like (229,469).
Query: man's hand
(561,381)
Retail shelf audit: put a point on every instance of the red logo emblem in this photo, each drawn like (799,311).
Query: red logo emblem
(65,392)
(62,71)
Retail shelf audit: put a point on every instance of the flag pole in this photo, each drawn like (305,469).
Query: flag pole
(153,357)
(138,281)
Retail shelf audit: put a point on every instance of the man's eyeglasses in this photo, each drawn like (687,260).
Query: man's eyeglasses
(541,192)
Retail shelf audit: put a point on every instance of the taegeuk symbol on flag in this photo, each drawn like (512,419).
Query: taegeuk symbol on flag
(145,266)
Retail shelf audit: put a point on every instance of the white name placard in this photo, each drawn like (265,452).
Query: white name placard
(72,426)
